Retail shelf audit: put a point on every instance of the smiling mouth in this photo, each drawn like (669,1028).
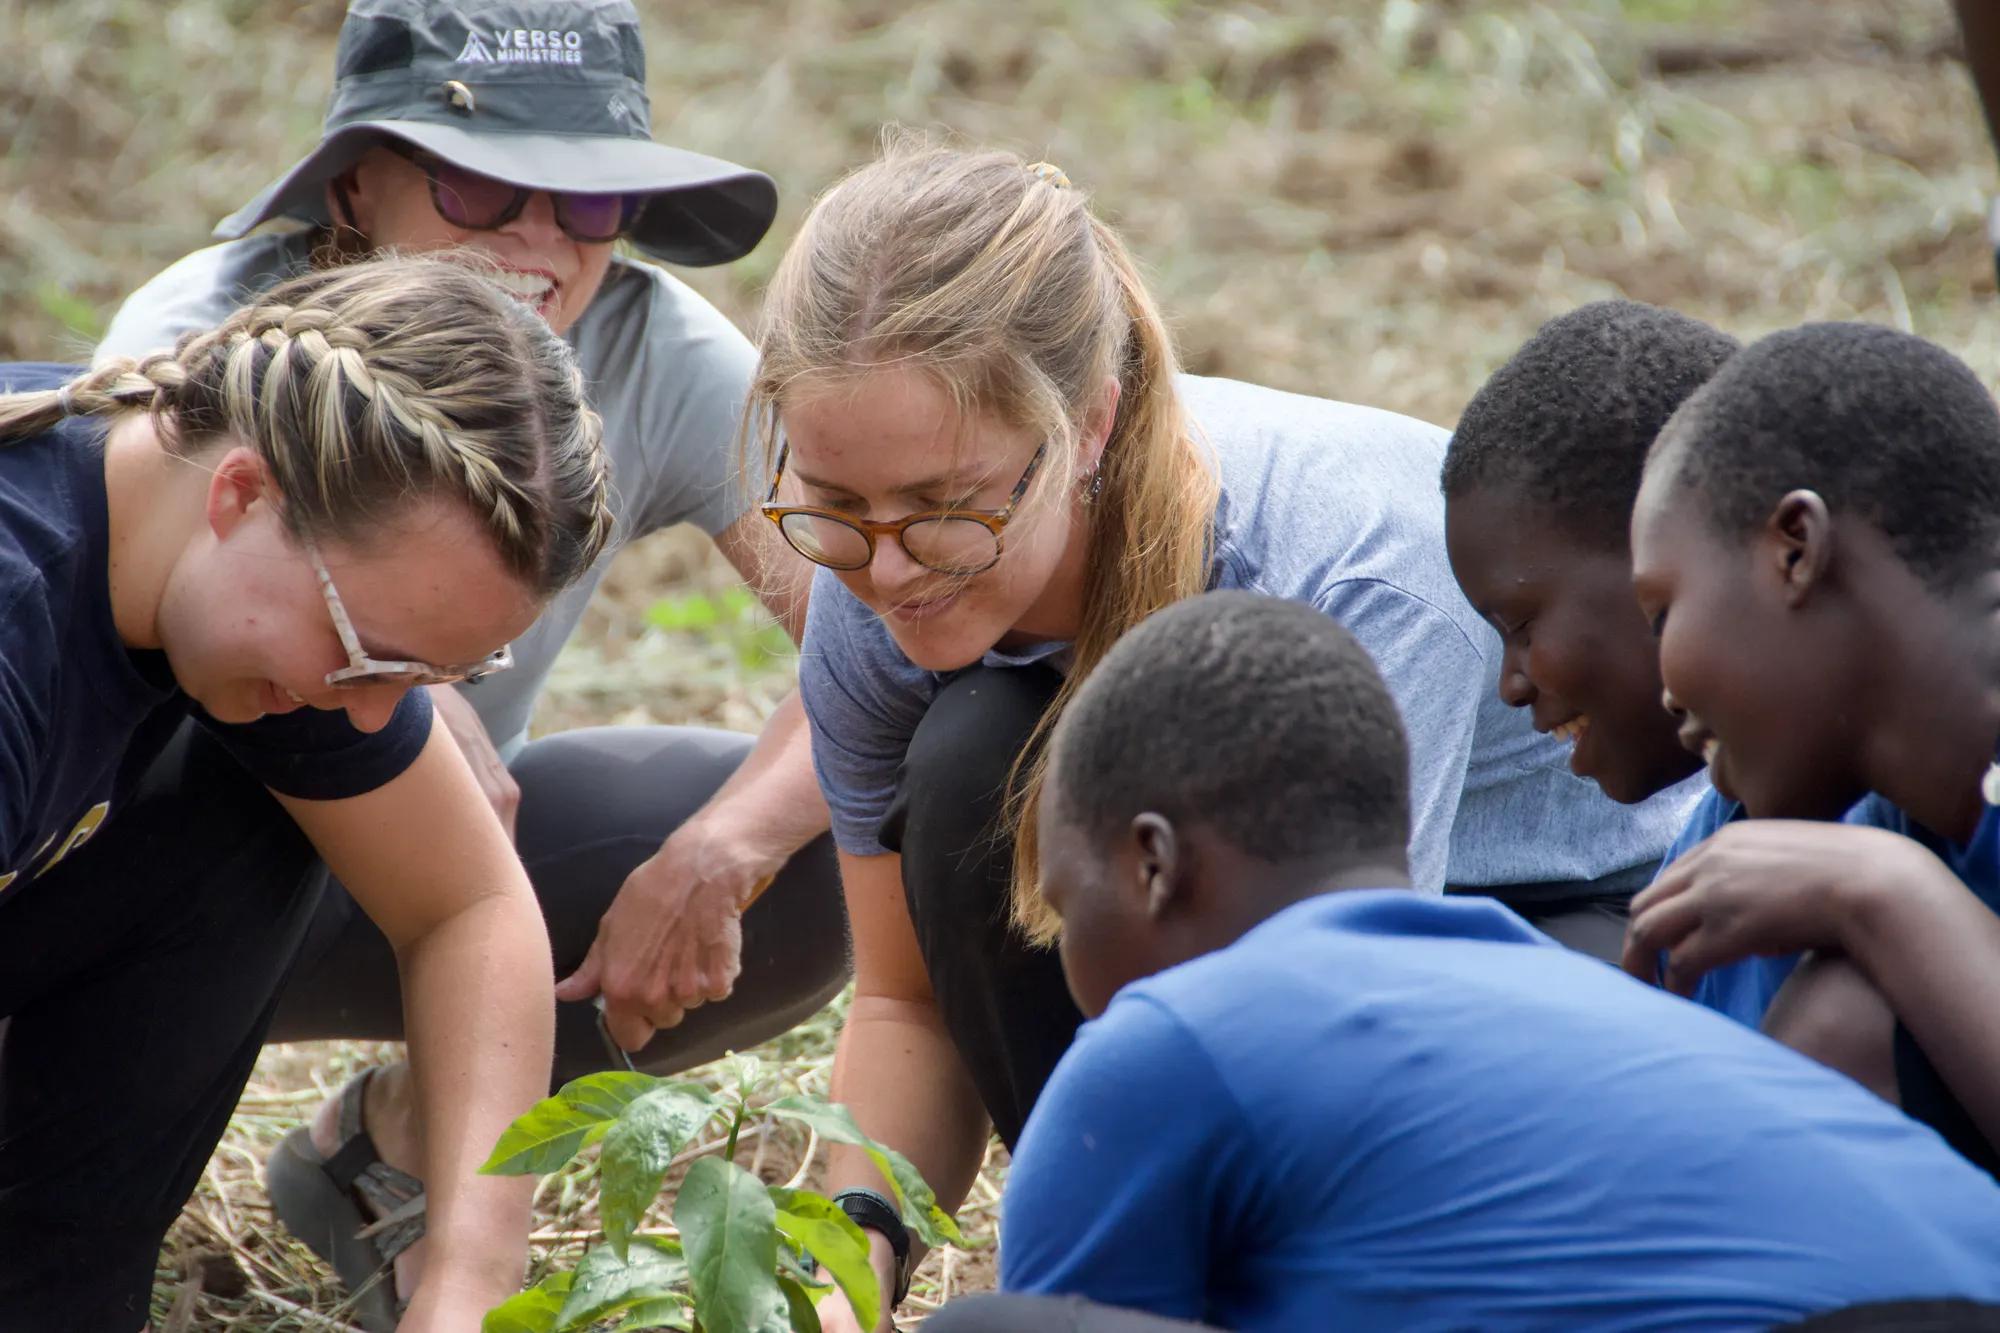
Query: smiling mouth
(1571,731)
(529,288)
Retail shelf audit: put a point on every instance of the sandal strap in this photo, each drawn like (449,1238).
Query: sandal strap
(357,1167)
(357,1148)
(399,1197)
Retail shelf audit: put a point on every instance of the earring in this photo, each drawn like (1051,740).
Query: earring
(1093,485)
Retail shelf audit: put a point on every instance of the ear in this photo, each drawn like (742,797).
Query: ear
(1799,534)
(238,481)
(351,192)
(1158,864)
(1097,424)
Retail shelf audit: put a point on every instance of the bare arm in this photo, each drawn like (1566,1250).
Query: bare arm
(896,1069)
(779,577)
(1979,24)
(1773,886)
(673,937)
(426,858)
(1933,950)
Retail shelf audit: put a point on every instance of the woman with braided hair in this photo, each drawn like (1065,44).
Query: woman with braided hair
(370,480)
(649,847)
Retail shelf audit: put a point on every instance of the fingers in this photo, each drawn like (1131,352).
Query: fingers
(581,984)
(629,1030)
(1656,929)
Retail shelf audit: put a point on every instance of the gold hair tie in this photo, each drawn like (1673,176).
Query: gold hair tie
(1050,172)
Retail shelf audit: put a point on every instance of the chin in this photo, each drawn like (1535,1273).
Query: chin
(947,642)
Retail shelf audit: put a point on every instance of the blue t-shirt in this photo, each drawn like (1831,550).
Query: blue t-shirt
(1337,506)
(81,715)
(1976,861)
(1742,990)
(1384,1111)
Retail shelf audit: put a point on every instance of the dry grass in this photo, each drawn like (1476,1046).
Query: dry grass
(1374,201)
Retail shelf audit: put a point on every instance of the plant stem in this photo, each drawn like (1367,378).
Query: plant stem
(729,1150)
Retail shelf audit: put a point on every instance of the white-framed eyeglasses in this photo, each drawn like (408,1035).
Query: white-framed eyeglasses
(362,670)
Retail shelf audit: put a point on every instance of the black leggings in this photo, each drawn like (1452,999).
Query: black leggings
(594,804)
(139,977)
(1006,1005)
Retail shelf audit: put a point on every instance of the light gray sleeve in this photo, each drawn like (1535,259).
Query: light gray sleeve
(1436,675)
(681,391)
(198,291)
(863,699)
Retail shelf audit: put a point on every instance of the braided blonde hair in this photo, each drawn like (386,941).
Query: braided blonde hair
(997,280)
(372,385)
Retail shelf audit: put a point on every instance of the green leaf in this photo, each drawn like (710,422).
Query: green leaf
(805,1319)
(637,1149)
(729,1227)
(820,1225)
(667,1312)
(531,1311)
(792,1266)
(554,1129)
(605,1285)
(835,1124)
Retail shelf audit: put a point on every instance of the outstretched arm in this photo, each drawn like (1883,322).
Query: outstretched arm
(425,856)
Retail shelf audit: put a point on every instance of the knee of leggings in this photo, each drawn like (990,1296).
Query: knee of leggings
(965,747)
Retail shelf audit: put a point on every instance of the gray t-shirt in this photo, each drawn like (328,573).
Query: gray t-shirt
(666,370)
(1338,506)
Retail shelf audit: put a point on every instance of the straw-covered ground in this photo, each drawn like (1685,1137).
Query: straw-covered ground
(1374,201)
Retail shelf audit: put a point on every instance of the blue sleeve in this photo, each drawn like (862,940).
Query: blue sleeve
(863,700)
(316,755)
(1742,991)
(1436,675)
(1126,1174)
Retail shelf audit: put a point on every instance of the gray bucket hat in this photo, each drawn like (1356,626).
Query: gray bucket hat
(547,94)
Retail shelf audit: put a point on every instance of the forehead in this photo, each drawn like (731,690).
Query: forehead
(1498,537)
(883,425)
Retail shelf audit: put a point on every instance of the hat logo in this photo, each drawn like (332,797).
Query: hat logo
(474,51)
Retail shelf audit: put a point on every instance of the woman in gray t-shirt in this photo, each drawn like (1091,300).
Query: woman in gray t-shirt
(972,411)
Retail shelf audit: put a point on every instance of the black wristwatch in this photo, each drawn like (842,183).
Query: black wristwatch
(873,1211)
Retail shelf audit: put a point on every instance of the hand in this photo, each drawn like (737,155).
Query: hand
(837,1316)
(673,937)
(1762,887)
(502,792)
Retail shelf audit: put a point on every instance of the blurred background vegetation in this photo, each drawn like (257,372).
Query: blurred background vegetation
(1374,200)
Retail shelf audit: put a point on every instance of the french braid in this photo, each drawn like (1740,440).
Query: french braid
(368,385)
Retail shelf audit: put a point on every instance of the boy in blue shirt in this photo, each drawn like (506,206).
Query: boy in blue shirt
(1817,542)
(1312,1099)
(1538,481)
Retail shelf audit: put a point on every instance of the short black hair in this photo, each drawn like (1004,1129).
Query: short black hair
(1260,717)
(1882,424)
(1567,421)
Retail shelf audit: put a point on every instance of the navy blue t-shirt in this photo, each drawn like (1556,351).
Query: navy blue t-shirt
(81,715)
(1382,1111)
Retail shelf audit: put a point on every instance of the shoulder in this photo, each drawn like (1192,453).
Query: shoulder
(1316,492)
(644,312)
(200,290)
(849,662)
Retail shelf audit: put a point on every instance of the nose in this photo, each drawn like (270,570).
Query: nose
(536,222)
(370,707)
(1672,705)
(891,568)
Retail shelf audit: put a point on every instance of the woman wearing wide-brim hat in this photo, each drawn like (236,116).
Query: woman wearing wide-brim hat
(521,131)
